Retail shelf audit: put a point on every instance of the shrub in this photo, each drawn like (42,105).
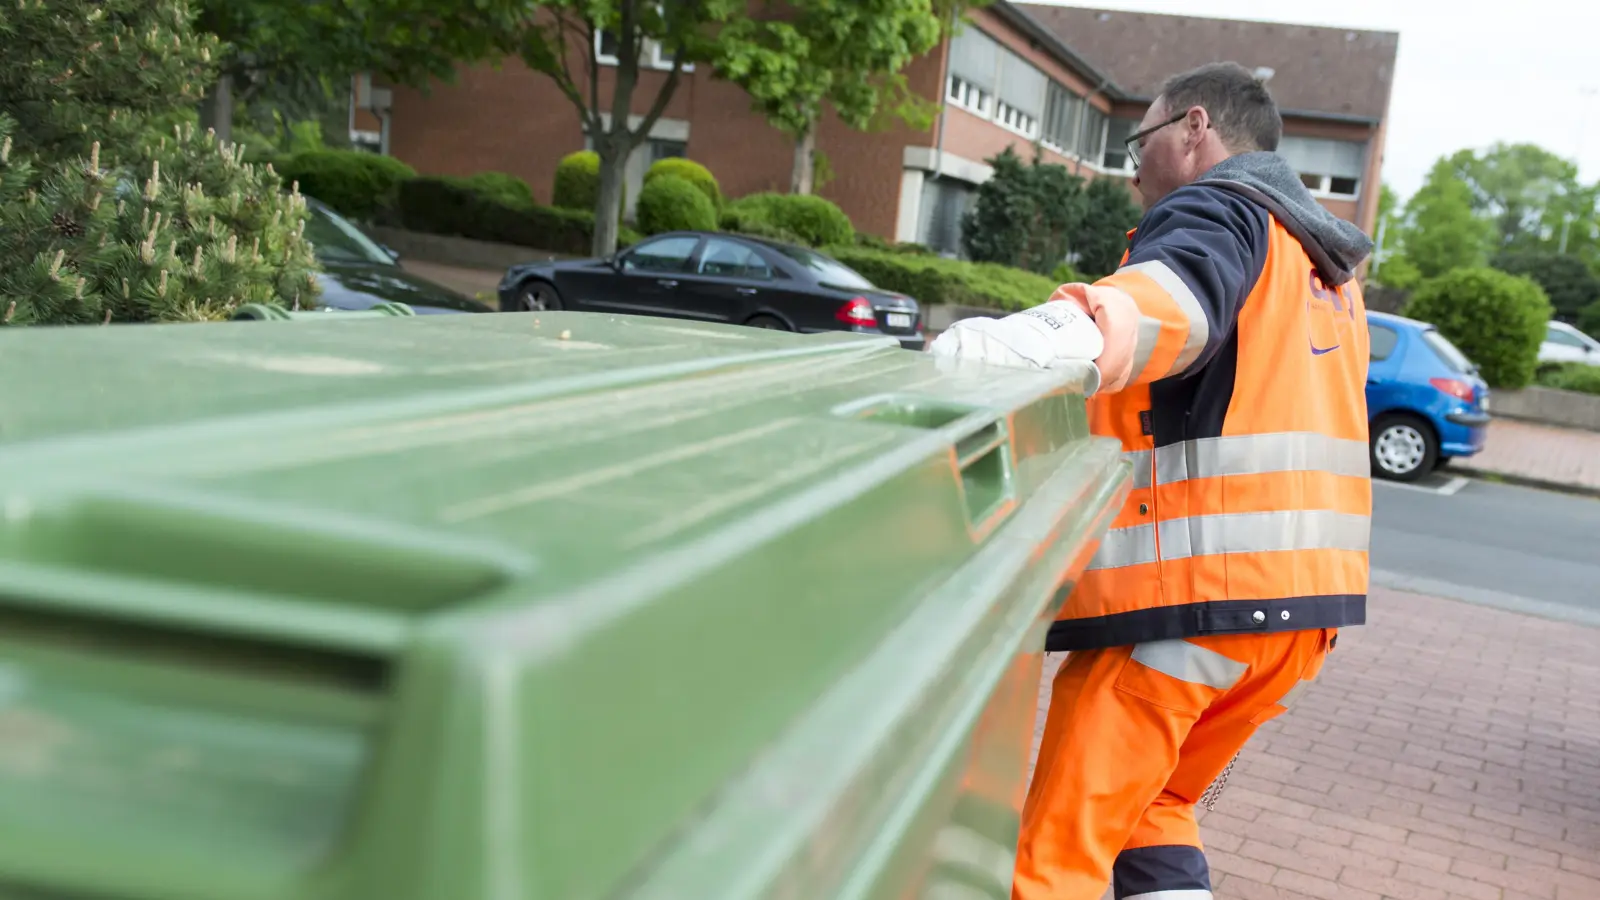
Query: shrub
(754,224)
(670,203)
(1497,320)
(446,206)
(1025,215)
(353,182)
(577,181)
(1589,320)
(689,171)
(933,279)
(1567,280)
(1571,377)
(815,221)
(1066,274)
(498,186)
(200,234)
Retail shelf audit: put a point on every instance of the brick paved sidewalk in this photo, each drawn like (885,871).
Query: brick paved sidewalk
(1540,452)
(1447,752)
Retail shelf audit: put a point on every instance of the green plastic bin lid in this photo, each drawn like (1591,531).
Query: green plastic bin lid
(545,605)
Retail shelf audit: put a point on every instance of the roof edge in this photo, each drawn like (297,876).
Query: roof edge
(1021,20)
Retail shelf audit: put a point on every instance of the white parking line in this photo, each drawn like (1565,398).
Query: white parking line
(1448,489)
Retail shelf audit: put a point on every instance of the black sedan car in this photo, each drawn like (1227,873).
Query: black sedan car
(718,278)
(358,273)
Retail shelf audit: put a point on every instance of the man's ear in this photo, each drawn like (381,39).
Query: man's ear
(1197,123)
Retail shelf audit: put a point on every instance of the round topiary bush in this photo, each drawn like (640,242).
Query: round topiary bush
(577,181)
(1497,320)
(355,183)
(689,171)
(816,221)
(670,203)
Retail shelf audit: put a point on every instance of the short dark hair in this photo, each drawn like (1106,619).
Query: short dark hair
(1241,108)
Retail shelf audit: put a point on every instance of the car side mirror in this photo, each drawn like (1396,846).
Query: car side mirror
(393,253)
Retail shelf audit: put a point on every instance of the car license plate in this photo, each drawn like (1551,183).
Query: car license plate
(899,320)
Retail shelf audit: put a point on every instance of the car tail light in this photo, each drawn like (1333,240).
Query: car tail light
(858,312)
(1454,387)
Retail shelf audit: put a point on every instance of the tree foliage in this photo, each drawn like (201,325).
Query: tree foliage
(1523,189)
(79,72)
(794,57)
(1569,283)
(98,222)
(1497,320)
(1442,233)
(1036,215)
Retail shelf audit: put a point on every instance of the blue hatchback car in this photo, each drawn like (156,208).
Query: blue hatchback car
(1425,400)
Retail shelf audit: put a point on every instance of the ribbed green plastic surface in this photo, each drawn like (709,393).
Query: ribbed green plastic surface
(521,606)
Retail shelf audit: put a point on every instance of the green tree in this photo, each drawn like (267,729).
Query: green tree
(562,40)
(1442,233)
(1526,191)
(1025,215)
(81,72)
(797,56)
(1101,236)
(289,59)
(100,224)
(1497,320)
(1568,281)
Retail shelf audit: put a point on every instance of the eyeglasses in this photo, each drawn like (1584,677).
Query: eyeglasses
(1132,143)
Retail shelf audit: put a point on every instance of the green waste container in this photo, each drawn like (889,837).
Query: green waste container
(550,605)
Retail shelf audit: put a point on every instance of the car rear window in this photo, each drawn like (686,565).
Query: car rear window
(1447,352)
(829,271)
(1383,340)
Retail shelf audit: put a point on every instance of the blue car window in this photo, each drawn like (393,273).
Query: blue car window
(1383,339)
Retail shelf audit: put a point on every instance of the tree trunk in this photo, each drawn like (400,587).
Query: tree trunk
(216,110)
(805,162)
(608,206)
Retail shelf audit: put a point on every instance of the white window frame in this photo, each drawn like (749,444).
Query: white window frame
(1015,120)
(650,58)
(968,96)
(1324,187)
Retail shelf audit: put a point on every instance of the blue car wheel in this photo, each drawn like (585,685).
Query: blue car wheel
(1404,448)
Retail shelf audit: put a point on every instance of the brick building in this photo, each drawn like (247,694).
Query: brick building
(1072,81)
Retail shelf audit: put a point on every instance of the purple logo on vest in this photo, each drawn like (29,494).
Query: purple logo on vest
(1323,308)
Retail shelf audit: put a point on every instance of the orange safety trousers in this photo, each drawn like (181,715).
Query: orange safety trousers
(1134,737)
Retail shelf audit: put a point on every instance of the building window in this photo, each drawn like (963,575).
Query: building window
(651,54)
(1061,111)
(1017,120)
(945,202)
(1329,168)
(1022,95)
(969,96)
(1115,158)
(1092,138)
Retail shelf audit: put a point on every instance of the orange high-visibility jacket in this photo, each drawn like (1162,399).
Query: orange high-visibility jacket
(1245,420)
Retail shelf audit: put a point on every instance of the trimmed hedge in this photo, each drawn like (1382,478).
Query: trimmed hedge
(577,181)
(670,203)
(815,221)
(447,206)
(933,279)
(355,183)
(741,221)
(1497,320)
(507,189)
(1571,377)
(689,171)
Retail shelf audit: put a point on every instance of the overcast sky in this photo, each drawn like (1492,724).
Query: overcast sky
(1470,73)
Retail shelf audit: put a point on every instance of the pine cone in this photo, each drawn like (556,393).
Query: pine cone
(65,225)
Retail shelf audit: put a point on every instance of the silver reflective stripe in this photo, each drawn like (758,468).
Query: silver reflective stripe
(1255,454)
(1132,546)
(1294,694)
(1199,325)
(1186,894)
(1145,345)
(1141,467)
(1191,663)
(1264,532)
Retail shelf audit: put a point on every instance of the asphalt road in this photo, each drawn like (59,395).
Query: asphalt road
(1528,550)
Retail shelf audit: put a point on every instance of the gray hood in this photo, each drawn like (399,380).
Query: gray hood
(1335,246)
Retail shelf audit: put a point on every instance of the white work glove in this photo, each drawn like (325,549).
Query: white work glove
(1043,337)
